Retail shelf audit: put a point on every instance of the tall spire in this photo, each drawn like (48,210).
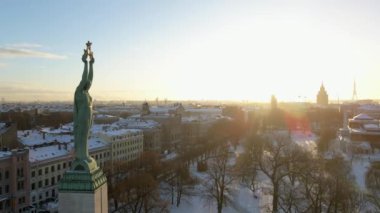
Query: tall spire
(322,96)
(354,94)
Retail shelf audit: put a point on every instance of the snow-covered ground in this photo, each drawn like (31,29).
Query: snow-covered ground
(243,200)
(360,165)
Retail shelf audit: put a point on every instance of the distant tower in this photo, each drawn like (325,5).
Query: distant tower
(145,109)
(273,102)
(354,94)
(322,96)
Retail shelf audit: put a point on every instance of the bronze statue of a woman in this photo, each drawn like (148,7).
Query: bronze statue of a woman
(83,110)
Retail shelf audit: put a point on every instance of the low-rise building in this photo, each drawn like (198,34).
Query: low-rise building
(49,163)
(152,132)
(14,181)
(125,144)
(365,128)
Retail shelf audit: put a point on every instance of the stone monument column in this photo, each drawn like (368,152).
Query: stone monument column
(83,188)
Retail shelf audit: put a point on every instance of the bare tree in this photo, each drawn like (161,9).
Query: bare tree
(219,178)
(139,193)
(277,157)
(246,167)
(180,183)
(373,186)
(273,162)
(343,195)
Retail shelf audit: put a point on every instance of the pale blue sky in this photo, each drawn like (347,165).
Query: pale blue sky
(190,49)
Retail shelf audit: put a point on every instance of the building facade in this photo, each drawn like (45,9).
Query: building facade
(14,181)
(125,144)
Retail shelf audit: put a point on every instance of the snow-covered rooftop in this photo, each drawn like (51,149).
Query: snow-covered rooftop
(118,132)
(95,143)
(202,118)
(371,127)
(104,116)
(65,129)
(36,137)
(55,151)
(370,107)
(49,152)
(138,123)
(5,154)
(208,110)
(362,116)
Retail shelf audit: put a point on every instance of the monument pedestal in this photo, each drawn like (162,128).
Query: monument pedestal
(83,192)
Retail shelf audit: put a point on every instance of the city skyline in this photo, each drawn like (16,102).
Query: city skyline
(203,50)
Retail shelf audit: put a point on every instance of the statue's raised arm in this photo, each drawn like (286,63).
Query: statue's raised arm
(83,82)
(90,73)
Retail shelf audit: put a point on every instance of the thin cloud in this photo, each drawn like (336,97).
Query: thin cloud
(19,91)
(3,65)
(26,50)
(24,45)
(25,90)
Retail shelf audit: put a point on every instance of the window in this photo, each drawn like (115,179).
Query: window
(20,172)
(20,185)
(46,170)
(46,182)
(40,172)
(33,173)
(21,200)
(59,167)
(64,165)
(52,180)
(6,174)
(40,184)
(46,194)
(59,177)
(33,186)
(52,168)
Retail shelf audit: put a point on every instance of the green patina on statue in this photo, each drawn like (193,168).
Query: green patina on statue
(83,109)
(84,176)
(83,114)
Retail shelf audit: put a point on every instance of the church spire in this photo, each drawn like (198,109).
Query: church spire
(354,94)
